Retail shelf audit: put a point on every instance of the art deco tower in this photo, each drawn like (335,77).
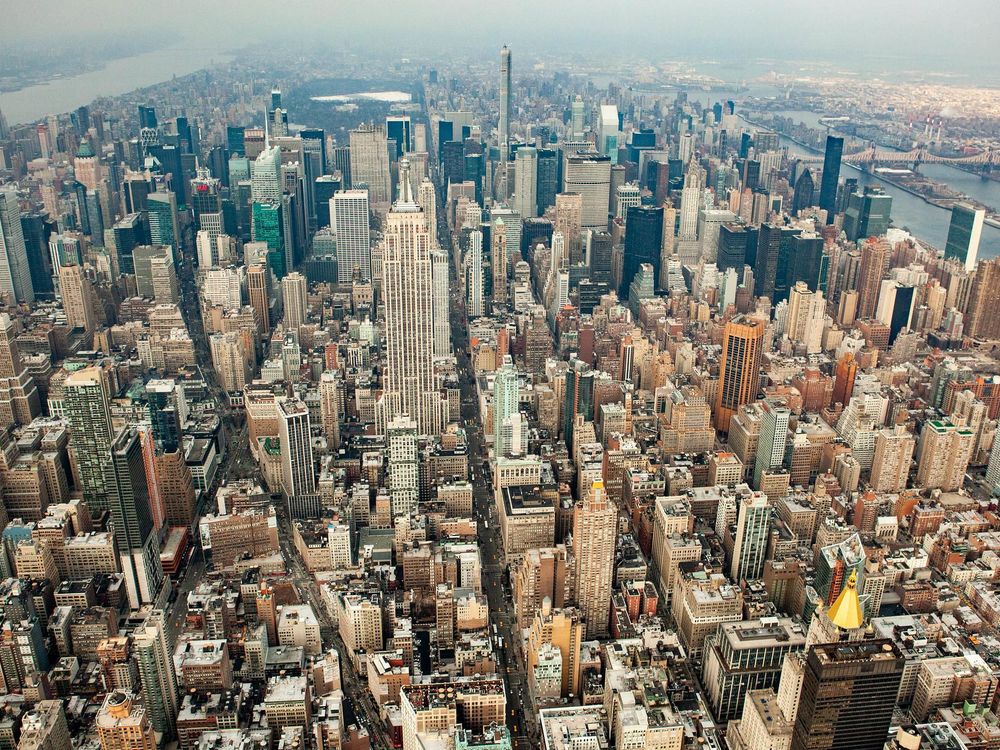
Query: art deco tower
(408,289)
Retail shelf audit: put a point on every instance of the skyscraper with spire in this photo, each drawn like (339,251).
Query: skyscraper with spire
(501,186)
(408,290)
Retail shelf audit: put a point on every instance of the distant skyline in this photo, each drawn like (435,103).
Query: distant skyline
(900,35)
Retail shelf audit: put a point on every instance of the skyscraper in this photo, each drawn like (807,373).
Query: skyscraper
(594,535)
(964,233)
(831,176)
(607,133)
(132,518)
(848,696)
(525,199)
(258,295)
(643,241)
(154,657)
(15,273)
(589,174)
(739,367)
(474,274)
(503,125)
(505,403)
(404,465)
(85,405)
(752,534)
(370,163)
(773,438)
(867,214)
(408,289)
(349,217)
(893,456)
(442,299)
(294,300)
(499,260)
(298,477)
(265,177)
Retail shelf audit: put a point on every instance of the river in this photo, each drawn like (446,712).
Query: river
(116,77)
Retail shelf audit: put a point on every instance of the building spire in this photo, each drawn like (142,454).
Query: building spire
(404,195)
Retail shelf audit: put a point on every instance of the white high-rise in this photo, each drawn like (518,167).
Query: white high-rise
(15,274)
(752,534)
(690,205)
(265,176)
(474,274)
(294,300)
(504,123)
(408,291)
(349,218)
(526,182)
(297,474)
(589,174)
(773,437)
(404,465)
(442,330)
(505,403)
(607,134)
(370,163)
(427,198)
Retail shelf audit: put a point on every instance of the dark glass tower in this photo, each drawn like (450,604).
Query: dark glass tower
(547,181)
(831,176)
(37,228)
(848,695)
(765,270)
(643,243)
(732,252)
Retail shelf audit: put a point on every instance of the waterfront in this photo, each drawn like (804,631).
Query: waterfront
(117,77)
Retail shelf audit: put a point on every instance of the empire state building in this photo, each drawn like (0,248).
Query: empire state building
(408,288)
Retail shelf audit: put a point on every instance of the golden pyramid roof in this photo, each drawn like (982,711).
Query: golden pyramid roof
(846,611)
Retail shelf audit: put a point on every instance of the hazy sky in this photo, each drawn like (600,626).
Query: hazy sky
(960,35)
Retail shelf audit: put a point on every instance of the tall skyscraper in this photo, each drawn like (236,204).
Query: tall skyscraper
(867,214)
(20,402)
(505,403)
(643,242)
(154,658)
(831,176)
(525,199)
(474,274)
(848,696)
(370,163)
(589,174)
(964,233)
(499,260)
(875,252)
(607,132)
(298,477)
(294,299)
(893,457)
(265,178)
(773,438)
(503,126)
(15,272)
(86,407)
(983,317)
(442,300)
(945,451)
(258,294)
(349,217)
(753,530)
(739,367)
(408,289)
(594,536)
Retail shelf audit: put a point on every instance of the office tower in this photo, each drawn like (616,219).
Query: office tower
(589,174)
(503,125)
(893,456)
(37,230)
(259,296)
(607,132)
(331,404)
(442,298)
(298,477)
(805,188)
(765,270)
(131,516)
(579,396)
(867,214)
(752,533)
(505,403)
(370,163)
(548,179)
(810,262)
(848,696)
(427,198)
(691,203)
(349,217)
(265,178)
(324,188)
(408,289)
(268,226)
(229,358)
(164,227)
(643,240)
(77,294)
(964,233)
(982,320)
(15,272)
(732,249)
(773,438)
(627,195)
(945,451)
(474,274)
(86,408)
(402,453)
(739,368)
(397,129)
(831,176)
(19,397)
(154,658)
(875,254)
(594,537)
(895,306)
(525,200)
(123,724)
(843,385)
(294,298)
(599,256)
(499,260)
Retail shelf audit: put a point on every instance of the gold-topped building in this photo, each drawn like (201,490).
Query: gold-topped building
(844,620)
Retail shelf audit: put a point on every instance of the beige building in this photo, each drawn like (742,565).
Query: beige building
(432,710)
(563,629)
(527,518)
(288,702)
(595,530)
(945,451)
(298,626)
(360,622)
(893,456)
(703,601)
(123,724)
